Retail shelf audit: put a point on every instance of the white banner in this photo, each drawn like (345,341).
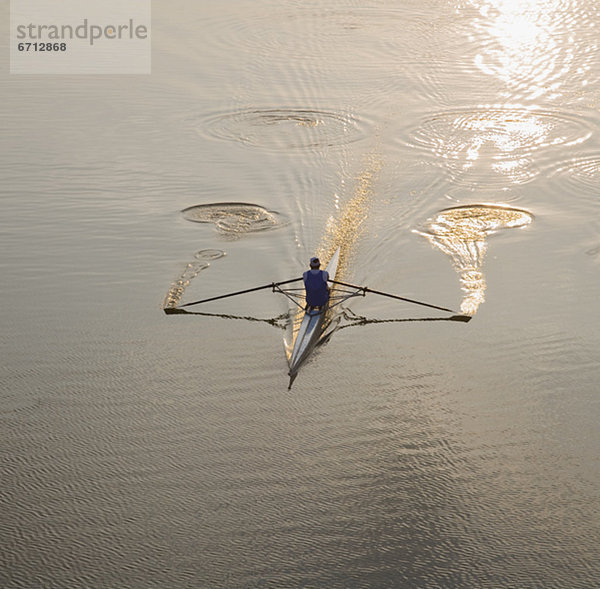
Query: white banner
(80,37)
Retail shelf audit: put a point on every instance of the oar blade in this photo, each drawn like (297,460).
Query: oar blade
(174,311)
(463,318)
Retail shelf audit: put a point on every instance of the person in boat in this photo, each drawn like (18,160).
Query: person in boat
(315,284)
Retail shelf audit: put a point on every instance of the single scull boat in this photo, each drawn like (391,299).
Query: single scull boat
(312,327)
(315,321)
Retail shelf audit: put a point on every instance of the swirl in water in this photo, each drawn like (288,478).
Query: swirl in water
(234,219)
(461,233)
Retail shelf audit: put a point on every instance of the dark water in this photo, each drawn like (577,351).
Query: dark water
(453,150)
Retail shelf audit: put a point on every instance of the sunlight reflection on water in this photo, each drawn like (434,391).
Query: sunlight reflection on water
(531,47)
(462,233)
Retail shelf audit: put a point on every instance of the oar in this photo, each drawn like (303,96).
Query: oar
(392,296)
(240,292)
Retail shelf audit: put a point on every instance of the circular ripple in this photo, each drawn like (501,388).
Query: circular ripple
(285,128)
(475,194)
(235,218)
(582,172)
(277,33)
(493,175)
(502,132)
(209,254)
(593,252)
(497,139)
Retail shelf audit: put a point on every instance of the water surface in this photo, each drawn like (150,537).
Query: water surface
(453,149)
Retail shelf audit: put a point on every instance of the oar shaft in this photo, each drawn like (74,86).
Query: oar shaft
(392,296)
(241,292)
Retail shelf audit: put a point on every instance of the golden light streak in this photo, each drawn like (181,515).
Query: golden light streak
(461,233)
(343,231)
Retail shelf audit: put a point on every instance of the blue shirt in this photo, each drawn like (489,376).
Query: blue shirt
(315,283)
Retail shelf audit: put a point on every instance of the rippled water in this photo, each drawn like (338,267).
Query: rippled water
(451,149)
(287,129)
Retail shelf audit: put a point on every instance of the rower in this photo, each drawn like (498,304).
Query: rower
(315,284)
